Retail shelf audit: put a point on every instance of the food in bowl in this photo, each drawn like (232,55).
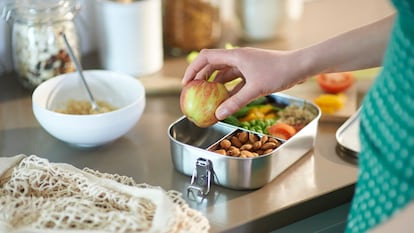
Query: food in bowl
(122,91)
(83,107)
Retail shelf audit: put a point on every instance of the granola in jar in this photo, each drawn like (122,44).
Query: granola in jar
(39,52)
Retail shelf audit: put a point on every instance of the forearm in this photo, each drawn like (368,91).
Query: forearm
(360,48)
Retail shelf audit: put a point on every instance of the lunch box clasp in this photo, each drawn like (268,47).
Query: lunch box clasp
(201,178)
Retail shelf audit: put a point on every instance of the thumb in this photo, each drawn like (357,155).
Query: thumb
(234,103)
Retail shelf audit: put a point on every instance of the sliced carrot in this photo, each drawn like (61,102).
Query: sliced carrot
(281,130)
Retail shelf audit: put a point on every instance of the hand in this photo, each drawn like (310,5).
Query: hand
(262,72)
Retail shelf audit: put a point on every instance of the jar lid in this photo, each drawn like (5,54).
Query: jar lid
(38,11)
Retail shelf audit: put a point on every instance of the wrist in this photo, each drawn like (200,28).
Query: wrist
(306,64)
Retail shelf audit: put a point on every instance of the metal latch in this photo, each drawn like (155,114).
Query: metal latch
(201,178)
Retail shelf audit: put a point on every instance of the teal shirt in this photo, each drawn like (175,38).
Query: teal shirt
(386,162)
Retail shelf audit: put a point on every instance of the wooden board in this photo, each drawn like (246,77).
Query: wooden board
(157,84)
(309,90)
(162,84)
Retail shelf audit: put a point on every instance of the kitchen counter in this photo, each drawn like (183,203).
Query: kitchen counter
(317,182)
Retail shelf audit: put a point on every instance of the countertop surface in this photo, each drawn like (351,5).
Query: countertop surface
(318,181)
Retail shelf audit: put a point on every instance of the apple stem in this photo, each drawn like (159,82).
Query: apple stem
(212,76)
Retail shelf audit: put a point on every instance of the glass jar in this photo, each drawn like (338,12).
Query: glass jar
(191,25)
(38,49)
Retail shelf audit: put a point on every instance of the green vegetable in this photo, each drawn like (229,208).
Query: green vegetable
(258,101)
(242,112)
(232,120)
(258,125)
(276,109)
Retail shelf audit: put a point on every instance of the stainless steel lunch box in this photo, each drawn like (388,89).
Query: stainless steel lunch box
(347,137)
(190,156)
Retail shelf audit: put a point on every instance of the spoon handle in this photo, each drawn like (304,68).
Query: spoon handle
(79,69)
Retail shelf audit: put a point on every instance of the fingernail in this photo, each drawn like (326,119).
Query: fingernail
(221,113)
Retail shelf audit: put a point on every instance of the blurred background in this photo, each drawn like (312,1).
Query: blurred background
(231,14)
(238,22)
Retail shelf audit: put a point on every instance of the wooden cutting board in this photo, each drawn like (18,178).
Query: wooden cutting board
(162,84)
(309,90)
(158,85)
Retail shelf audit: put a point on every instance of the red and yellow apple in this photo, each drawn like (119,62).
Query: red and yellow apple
(199,100)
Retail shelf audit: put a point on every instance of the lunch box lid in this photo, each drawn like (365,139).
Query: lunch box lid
(347,137)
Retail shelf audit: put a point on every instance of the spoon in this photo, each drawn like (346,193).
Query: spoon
(78,66)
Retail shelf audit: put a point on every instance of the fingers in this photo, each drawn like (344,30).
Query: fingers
(206,62)
(228,74)
(242,96)
(205,72)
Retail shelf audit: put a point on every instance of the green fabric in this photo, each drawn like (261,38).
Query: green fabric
(386,162)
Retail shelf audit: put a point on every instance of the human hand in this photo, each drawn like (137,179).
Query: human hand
(262,72)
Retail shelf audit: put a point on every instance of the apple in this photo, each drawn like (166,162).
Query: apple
(199,100)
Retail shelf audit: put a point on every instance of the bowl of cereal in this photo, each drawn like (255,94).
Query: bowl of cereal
(62,108)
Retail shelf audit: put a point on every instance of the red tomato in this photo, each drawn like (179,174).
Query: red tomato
(281,130)
(335,82)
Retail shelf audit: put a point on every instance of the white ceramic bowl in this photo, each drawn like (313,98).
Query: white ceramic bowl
(122,91)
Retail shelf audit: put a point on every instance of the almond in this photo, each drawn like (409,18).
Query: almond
(269,145)
(252,138)
(235,141)
(246,146)
(221,151)
(246,153)
(243,137)
(225,144)
(257,145)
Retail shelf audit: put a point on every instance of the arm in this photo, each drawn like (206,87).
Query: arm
(360,48)
(267,71)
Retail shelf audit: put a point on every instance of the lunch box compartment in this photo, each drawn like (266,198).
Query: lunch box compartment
(254,152)
(184,131)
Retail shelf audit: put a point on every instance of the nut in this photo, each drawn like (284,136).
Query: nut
(235,141)
(225,144)
(260,152)
(274,140)
(257,145)
(247,145)
(221,151)
(233,151)
(243,137)
(264,139)
(269,145)
(252,138)
(246,153)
